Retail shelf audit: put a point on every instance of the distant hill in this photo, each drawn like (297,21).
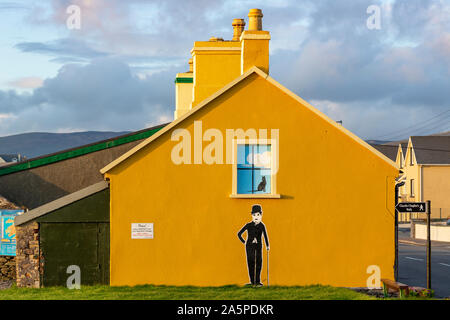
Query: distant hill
(36,144)
(377,141)
(396,143)
(446,133)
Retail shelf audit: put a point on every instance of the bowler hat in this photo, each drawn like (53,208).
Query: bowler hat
(256,208)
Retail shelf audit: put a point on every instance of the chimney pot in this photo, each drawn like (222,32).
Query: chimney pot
(191,65)
(255,20)
(238,28)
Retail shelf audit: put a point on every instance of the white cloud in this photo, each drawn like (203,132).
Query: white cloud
(103,95)
(4,116)
(27,83)
(321,50)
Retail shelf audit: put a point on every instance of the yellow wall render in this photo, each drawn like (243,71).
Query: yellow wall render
(216,63)
(412,171)
(183,95)
(399,159)
(322,230)
(436,187)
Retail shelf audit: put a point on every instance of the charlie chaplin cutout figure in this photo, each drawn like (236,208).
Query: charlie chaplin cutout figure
(253,246)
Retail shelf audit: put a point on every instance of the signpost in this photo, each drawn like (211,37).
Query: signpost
(421,207)
(397,186)
(429,244)
(411,207)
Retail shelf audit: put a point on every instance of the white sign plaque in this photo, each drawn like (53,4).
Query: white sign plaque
(142,231)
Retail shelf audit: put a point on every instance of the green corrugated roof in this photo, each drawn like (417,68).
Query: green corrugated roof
(79,151)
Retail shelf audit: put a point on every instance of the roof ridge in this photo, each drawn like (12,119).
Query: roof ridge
(61,202)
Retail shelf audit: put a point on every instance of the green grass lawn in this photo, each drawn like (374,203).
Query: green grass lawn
(149,292)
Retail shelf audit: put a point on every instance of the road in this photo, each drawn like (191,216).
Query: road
(413,266)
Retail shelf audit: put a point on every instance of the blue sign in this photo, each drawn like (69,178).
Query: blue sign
(8,232)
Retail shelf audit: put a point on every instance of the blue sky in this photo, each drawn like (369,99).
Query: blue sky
(116,72)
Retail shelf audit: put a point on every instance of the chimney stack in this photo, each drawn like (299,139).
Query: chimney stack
(255,44)
(255,20)
(238,28)
(191,65)
(183,91)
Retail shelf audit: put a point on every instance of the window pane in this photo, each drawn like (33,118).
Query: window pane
(262,181)
(262,157)
(244,156)
(254,169)
(244,181)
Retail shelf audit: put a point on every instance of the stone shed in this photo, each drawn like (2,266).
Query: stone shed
(70,231)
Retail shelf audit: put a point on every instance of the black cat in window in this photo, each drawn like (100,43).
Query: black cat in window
(262,184)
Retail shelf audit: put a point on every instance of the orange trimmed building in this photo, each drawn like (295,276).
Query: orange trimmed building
(179,198)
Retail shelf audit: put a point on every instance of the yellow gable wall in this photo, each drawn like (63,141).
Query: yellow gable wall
(334,219)
(412,172)
(436,188)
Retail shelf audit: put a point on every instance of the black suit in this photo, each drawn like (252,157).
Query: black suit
(254,249)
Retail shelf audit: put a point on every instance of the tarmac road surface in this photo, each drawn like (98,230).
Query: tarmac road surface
(413,265)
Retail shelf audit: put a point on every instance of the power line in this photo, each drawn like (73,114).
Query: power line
(433,123)
(415,148)
(445,122)
(436,123)
(412,126)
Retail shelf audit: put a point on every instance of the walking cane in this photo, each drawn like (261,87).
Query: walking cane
(267,268)
(254,272)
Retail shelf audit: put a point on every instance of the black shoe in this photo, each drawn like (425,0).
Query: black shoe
(248,285)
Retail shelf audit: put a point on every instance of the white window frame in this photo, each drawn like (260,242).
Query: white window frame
(273,173)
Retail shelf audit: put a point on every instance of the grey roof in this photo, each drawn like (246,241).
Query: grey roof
(403,143)
(389,151)
(404,147)
(10,157)
(431,149)
(396,143)
(59,203)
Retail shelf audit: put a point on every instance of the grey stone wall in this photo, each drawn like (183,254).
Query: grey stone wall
(28,256)
(7,268)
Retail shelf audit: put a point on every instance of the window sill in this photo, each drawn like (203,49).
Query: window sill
(255,196)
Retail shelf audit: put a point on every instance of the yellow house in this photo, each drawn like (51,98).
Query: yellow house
(401,152)
(426,171)
(179,198)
